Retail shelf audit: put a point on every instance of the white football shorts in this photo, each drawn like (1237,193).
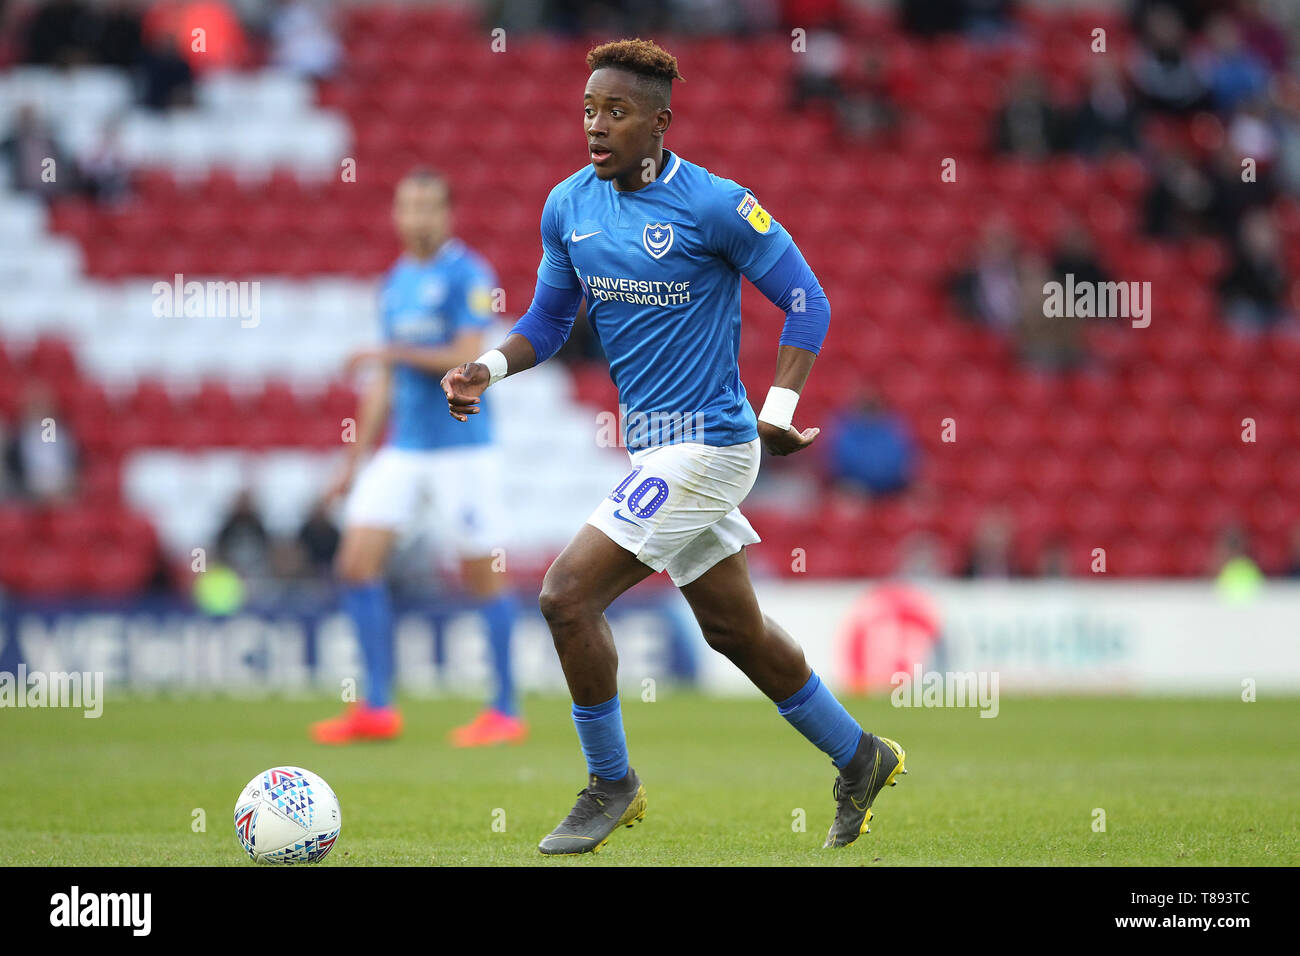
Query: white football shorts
(677,510)
(454,493)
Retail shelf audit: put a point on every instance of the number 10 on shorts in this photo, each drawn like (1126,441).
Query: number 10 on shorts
(657,488)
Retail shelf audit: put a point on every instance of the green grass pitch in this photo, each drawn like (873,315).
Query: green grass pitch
(1181,782)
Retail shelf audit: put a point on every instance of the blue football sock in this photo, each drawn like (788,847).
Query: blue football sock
(368,606)
(815,713)
(499,613)
(600,729)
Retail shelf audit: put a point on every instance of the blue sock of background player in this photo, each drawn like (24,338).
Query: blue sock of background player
(371,611)
(499,614)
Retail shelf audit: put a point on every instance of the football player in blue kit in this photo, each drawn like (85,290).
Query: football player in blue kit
(435,305)
(657,245)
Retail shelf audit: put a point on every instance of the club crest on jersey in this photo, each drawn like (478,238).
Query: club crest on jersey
(754,214)
(657,239)
(432,292)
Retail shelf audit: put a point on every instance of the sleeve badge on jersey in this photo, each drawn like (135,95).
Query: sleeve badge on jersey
(754,214)
(480,300)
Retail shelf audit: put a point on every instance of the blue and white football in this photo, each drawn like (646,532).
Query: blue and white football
(287,815)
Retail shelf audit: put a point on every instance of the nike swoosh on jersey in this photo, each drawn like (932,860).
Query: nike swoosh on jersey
(621,518)
(574,237)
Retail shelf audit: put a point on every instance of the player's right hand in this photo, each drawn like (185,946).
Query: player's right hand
(463,385)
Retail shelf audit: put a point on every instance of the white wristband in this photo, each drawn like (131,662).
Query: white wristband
(496,363)
(778,410)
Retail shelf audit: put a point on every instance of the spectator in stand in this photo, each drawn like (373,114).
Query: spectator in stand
(42,453)
(1254,131)
(1076,255)
(119,42)
(60,33)
(303,39)
(1028,124)
(1230,196)
(1005,290)
(990,552)
(1046,343)
(1163,73)
(37,163)
(164,78)
(1234,73)
(868,109)
(1058,343)
(871,448)
(1106,121)
(105,173)
(989,291)
(1177,205)
(930,18)
(319,539)
(1254,293)
(818,71)
(243,543)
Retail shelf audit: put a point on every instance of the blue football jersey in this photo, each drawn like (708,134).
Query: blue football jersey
(428,304)
(660,268)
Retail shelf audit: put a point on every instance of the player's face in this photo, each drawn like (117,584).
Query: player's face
(422,214)
(622,130)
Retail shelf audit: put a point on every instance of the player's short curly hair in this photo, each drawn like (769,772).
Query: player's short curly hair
(654,66)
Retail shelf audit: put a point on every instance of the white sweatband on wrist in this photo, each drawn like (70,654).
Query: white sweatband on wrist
(778,410)
(496,363)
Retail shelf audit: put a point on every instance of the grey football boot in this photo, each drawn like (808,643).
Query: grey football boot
(875,765)
(603,806)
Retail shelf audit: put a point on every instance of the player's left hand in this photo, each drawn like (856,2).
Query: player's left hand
(786,442)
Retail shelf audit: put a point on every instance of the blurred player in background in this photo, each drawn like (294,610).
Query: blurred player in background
(435,305)
(657,247)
